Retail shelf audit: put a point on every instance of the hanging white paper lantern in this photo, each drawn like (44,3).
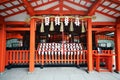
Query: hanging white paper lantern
(66,20)
(77,22)
(47,19)
(51,26)
(57,20)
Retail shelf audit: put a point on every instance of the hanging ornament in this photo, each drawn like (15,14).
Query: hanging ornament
(51,26)
(47,19)
(66,20)
(48,35)
(57,20)
(71,26)
(77,22)
(61,27)
(42,27)
(83,27)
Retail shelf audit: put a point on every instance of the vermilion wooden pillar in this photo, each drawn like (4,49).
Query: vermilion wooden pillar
(2,45)
(117,45)
(89,45)
(32,45)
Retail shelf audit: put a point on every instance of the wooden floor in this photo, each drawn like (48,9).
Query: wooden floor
(57,73)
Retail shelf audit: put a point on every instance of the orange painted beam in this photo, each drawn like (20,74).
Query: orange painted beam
(117,45)
(15,23)
(114,1)
(2,1)
(82,13)
(61,6)
(32,45)
(29,8)
(104,23)
(2,47)
(94,6)
(14,35)
(18,29)
(89,46)
(5,1)
(103,29)
(1,20)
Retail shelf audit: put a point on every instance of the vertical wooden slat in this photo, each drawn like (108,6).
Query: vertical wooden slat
(71,55)
(42,59)
(10,57)
(20,57)
(17,57)
(27,56)
(49,56)
(77,58)
(53,57)
(59,57)
(24,54)
(6,59)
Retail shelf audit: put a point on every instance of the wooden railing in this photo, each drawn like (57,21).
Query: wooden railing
(22,57)
(17,56)
(68,57)
(58,58)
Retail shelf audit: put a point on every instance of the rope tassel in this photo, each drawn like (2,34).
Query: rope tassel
(61,27)
(42,27)
(83,27)
(51,26)
(71,26)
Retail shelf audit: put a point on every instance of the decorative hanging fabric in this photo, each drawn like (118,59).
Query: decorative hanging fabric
(42,27)
(47,19)
(71,26)
(51,26)
(66,20)
(57,20)
(61,27)
(83,27)
(77,22)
